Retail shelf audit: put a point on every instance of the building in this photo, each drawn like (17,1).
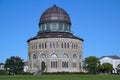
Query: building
(114,60)
(55,48)
(2,66)
(25,67)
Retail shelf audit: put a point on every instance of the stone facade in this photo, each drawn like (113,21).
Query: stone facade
(59,50)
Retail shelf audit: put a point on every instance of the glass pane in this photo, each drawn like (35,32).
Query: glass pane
(54,26)
(60,25)
(48,26)
(65,55)
(53,56)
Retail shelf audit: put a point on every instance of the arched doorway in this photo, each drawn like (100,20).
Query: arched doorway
(43,66)
(118,69)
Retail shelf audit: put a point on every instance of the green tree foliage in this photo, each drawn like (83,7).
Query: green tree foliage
(91,64)
(107,67)
(14,65)
(3,72)
(100,68)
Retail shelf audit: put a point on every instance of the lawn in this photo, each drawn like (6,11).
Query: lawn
(61,77)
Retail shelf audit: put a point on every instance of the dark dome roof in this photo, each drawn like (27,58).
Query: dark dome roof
(53,14)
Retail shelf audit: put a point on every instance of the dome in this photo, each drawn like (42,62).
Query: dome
(54,14)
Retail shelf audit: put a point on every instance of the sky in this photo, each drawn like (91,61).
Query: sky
(96,21)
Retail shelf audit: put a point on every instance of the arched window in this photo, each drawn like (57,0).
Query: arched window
(65,55)
(53,55)
(74,56)
(53,63)
(74,61)
(118,67)
(43,56)
(65,63)
(34,56)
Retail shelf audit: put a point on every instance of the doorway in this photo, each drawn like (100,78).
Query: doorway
(43,66)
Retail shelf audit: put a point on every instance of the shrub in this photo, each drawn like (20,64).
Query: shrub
(3,72)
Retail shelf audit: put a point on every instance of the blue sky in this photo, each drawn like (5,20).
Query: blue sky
(96,21)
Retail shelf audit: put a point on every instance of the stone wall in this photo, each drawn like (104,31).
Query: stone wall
(59,54)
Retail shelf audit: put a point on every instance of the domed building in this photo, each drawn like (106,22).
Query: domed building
(55,48)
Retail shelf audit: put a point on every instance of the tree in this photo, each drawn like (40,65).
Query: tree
(107,67)
(14,65)
(100,68)
(91,64)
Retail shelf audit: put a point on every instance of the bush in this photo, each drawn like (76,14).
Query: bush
(3,72)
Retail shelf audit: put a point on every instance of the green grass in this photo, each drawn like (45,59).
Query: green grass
(60,77)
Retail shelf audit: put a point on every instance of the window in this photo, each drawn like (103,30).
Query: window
(50,45)
(60,26)
(67,45)
(68,27)
(45,45)
(72,45)
(76,46)
(43,56)
(48,26)
(53,44)
(64,64)
(65,55)
(35,46)
(54,26)
(74,56)
(65,27)
(53,64)
(43,27)
(56,44)
(39,45)
(42,45)
(53,55)
(34,56)
(62,45)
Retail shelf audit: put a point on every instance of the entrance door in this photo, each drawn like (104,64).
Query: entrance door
(43,66)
